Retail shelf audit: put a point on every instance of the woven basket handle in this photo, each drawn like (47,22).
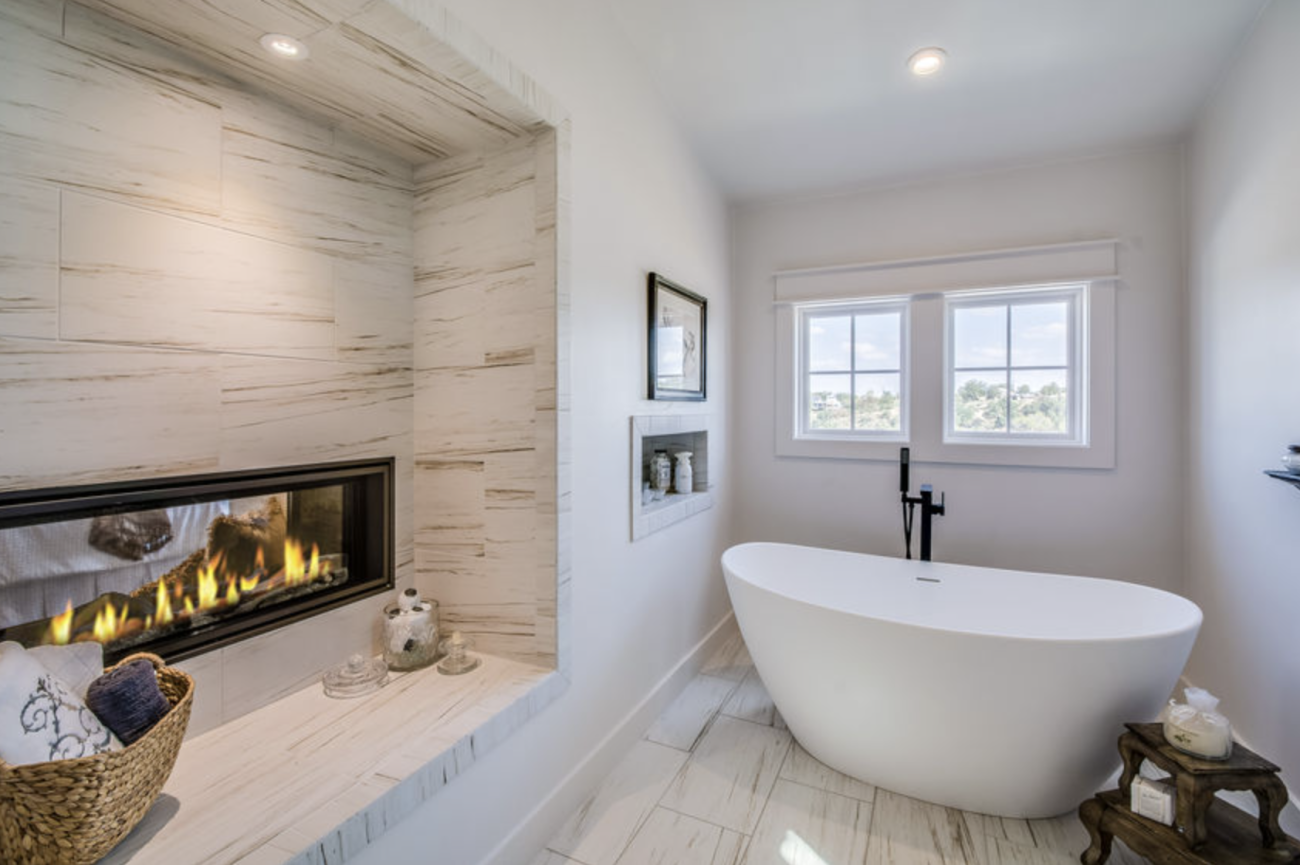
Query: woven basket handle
(157,662)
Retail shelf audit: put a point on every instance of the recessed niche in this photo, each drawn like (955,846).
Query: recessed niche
(671,433)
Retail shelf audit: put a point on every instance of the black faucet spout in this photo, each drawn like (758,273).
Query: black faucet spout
(929,510)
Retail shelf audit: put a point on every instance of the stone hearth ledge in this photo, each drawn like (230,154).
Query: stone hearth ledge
(311,780)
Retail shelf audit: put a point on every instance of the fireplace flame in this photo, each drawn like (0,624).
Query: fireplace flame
(110,623)
(209,586)
(163,614)
(297,568)
(61,626)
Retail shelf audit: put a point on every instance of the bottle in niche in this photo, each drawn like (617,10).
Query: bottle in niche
(685,475)
(660,472)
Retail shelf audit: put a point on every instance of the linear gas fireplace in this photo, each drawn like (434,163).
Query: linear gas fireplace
(177,566)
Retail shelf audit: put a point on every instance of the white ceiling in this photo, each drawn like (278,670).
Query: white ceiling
(787,96)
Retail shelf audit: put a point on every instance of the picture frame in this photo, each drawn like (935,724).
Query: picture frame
(677,344)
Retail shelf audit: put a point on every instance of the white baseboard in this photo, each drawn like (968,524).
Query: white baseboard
(531,835)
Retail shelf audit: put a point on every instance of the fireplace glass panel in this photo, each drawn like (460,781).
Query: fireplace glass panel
(193,564)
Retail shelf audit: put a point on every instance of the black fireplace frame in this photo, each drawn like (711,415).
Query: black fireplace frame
(370,486)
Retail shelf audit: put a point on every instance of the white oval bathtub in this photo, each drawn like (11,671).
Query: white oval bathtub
(994,691)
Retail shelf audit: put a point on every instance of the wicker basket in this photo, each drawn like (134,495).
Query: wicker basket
(72,812)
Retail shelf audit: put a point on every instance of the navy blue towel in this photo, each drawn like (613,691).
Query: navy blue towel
(128,700)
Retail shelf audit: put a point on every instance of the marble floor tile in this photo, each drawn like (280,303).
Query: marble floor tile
(602,827)
(751,702)
(731,849)
(803,768)
(730,661)
(1063,834)
(800,823)
(908,831)
(550,857)
(669,838)
(1004,828)
(685,719)
(730,774)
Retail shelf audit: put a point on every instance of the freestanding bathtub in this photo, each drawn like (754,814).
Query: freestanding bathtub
(1000,692)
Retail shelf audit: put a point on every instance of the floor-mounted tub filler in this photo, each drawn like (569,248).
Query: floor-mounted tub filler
(1000,692)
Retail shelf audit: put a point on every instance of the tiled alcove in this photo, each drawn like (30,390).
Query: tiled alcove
(671,433)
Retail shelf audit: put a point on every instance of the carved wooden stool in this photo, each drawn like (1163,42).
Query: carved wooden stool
(1199,834)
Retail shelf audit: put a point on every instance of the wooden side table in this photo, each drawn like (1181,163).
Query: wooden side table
(1199,834)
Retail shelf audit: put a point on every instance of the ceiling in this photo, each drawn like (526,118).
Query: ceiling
(794,96)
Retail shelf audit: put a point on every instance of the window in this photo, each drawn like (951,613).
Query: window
(852,370)
(990,357)
(1013,369)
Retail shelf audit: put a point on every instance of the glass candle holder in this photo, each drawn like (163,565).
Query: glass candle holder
(411,632)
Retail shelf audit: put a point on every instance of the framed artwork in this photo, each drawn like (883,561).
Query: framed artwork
(678,329)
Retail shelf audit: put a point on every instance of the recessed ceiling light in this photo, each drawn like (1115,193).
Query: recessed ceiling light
(284,46)
(927,61)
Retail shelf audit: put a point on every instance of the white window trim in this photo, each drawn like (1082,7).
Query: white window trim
(875,305)
(1077,366)
(1091,262)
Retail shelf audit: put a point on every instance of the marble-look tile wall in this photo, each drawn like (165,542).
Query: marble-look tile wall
(196,277)
(491,497)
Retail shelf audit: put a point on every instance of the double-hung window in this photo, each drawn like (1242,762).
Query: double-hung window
(853,370)
(1015,370)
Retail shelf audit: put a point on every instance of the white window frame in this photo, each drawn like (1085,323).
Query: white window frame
(804,315)
(1076,367)
(922,283)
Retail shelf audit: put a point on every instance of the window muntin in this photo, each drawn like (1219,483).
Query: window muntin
(1014,370)
(852,371)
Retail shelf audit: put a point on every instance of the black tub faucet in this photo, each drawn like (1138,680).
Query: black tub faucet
(929,509)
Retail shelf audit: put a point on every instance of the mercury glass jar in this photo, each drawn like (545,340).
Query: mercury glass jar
(661,472)
(410,632)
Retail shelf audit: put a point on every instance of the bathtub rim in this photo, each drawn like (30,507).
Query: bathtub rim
(1194,625)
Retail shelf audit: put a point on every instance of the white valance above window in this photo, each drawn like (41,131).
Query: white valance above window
(1079,261)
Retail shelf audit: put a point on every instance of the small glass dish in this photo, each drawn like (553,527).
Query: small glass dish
(356,677)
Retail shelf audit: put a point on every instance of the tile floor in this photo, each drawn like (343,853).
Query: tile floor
(719,780)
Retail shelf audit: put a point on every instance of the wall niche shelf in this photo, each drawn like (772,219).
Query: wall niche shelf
(672,433)
(1290,477)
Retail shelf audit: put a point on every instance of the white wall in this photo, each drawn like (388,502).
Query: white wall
(639,203)
(1243,527)
(1123,523)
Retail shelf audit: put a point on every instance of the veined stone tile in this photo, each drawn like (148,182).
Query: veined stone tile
(1004,852)
(373,310)
(289,178)
(305,411)
(43,15)
(154,412)
(550,857)
(730,774)
(1006,828)
(99,126)
(800,822)
(471,324)
(474,411)
(731,848)
(908,831)
(731,660)
(802,768)
(601,828)
(137,277)
(113,40)
(29,260)
(751,701)
(670,837)
(683,721)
